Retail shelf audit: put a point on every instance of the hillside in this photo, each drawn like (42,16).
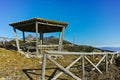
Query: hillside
(67,46)
(14,66)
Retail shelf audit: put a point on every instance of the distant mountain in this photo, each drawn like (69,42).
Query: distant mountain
(111,48)
(47,40)
(29,37)
(54,40)
(50,40)
(68,46)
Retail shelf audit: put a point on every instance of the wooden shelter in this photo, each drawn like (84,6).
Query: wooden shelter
(39,26)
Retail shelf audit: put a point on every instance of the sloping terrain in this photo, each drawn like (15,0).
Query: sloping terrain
(52,40)
(12,65)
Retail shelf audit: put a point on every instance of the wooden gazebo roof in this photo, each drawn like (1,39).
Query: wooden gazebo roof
(44,25)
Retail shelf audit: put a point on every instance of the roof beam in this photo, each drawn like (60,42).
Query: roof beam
(48,24)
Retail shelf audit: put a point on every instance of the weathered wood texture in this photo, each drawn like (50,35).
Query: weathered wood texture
(16,39)
(83,57)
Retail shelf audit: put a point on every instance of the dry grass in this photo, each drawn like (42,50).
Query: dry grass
(13,66)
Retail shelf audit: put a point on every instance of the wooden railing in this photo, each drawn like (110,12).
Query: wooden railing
(106,57)
(48,47)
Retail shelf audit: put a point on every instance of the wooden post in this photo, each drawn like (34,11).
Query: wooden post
(36,26)
(16,39)
(23,36)
(83,68)
(43,66)
(41,41)
(61,39)
(106,60)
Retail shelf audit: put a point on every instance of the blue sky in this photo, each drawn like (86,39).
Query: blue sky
(91,22)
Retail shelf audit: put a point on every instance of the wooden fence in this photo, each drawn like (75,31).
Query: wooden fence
(108,57)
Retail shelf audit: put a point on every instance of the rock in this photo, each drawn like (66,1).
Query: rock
(27,56)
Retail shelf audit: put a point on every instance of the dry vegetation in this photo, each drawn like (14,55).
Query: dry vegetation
(14,66)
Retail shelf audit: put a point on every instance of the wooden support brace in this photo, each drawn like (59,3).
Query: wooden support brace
(99,62)
(112,58)
(62,68)
(93,65)
(67,67)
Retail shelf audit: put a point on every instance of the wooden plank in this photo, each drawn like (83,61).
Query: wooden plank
(43,67)
(113,53)
(62,68)
(48,24)
(67,67)
(48,45)
(76,53)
